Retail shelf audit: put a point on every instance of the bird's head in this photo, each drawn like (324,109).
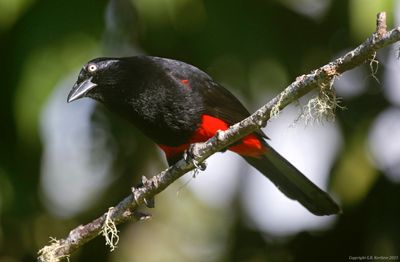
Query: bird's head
(95,78)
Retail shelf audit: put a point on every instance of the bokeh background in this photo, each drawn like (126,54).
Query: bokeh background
(62,165)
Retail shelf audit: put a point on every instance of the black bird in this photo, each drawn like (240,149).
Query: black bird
(176,104)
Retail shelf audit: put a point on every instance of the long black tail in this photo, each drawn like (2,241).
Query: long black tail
(293,183)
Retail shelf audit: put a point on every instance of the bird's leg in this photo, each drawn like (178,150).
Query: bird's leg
(188,155)
(149,202)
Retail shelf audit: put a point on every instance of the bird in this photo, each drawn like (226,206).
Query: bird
(176,104)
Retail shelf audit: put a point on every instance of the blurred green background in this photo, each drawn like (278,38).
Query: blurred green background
(62,165)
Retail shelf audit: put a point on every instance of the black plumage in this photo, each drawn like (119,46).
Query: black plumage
(168,99)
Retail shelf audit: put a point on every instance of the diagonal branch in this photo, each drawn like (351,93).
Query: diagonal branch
(125,210)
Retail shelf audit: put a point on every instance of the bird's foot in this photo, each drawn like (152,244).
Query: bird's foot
(188,155)
(149,202)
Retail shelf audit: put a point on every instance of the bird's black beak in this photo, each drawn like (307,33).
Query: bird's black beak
(79,90)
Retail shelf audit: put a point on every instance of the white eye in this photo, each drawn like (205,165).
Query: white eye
(92,67)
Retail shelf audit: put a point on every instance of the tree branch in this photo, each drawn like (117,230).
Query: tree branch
(125,210)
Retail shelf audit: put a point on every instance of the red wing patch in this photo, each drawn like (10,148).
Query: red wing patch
(185,81)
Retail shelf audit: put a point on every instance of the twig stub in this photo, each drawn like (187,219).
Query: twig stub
(381,24)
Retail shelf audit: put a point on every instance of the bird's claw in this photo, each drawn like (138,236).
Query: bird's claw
(201,166)
(139,216)
(189,157)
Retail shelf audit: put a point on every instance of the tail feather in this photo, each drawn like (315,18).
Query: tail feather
(293,183)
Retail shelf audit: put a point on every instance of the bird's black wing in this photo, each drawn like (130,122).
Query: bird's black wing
(217,101)
(221,103)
